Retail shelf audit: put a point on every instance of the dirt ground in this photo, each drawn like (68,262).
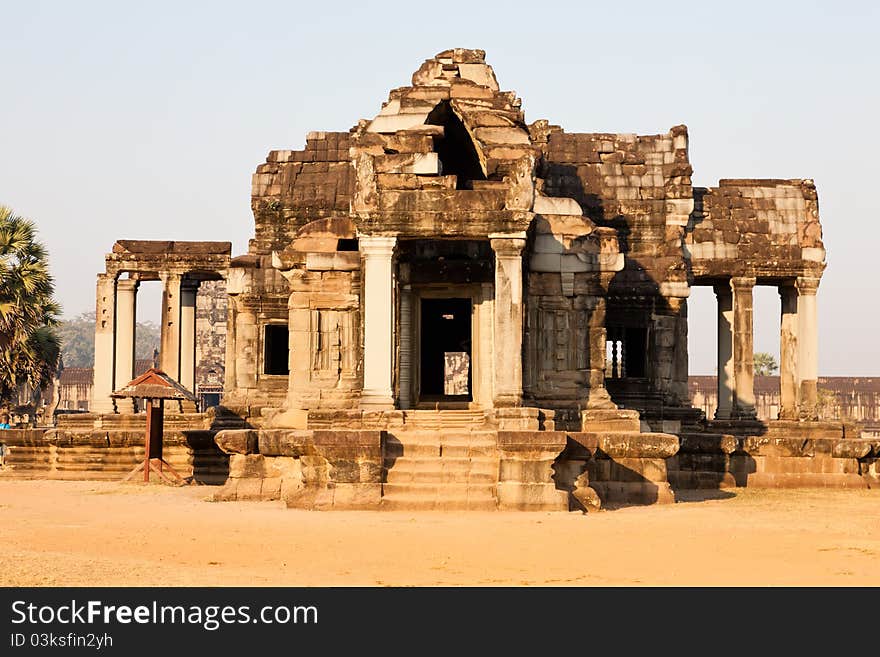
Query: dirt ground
(94,534)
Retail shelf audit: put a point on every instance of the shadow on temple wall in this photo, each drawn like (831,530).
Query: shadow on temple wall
(708,466)
(225,418)
(633,300)
(392,449)
(578,469)
(210,464)
(741,466)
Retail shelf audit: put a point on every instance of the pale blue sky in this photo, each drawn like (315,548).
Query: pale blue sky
(124,120)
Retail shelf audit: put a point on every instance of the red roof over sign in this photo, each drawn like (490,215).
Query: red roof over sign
(154,384)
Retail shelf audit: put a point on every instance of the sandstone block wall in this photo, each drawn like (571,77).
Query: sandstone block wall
(779,459)
(306,469)
(108,455)
(640,186)
(756,228)
(294,187)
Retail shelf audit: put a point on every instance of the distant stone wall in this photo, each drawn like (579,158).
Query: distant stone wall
(851,399)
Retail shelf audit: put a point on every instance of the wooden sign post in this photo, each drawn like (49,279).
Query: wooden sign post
(154,387)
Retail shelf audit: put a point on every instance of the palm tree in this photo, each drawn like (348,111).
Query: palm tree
(29,348)
(765,364)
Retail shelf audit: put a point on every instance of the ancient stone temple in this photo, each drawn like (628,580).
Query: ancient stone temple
(447,225)
(448,307)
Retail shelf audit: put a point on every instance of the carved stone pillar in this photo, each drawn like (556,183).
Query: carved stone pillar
(169,350)
(788,353)
(126,314)
(247,342)
(483,347)
(231,344)
(743,347)
(726,385)
(105,315)
(679,388)
(378,320)
(188,293)
(597,395)
(508,324)
(808,348)
(406,348)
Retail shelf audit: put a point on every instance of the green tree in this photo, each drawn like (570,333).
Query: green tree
(78,340)
(29,347)
(147,338)
(765,364)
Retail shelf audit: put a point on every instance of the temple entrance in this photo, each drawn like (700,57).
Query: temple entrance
(445,354)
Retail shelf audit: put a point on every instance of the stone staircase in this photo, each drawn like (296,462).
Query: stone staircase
(443,460)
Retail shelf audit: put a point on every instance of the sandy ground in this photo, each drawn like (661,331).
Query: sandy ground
(93,534)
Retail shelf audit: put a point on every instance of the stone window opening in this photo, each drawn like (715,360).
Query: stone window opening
(347,245)
(275,350)
(455,149)
(626,352)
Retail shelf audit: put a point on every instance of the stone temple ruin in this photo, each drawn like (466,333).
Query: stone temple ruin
(446,307)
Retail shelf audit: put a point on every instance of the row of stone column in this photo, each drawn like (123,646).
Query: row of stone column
(378,304)
(115,334)
(798,350)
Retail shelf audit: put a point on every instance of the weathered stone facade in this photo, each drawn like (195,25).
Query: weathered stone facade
(553,268)
(211,314)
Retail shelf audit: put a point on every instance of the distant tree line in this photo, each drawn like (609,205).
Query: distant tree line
(78,340)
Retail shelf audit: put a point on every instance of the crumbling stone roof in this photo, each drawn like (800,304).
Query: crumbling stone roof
(391,175)
(760,228)
(172,246)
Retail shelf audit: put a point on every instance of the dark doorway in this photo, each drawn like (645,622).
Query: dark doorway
(276,349)
(446,349)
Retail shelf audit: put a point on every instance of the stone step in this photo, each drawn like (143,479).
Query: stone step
(475,464)
(595,420)
(451,450)
(407,503)
(443,470)
(443,419)
(432,477)
(437,491)
(459,444)
(411,435)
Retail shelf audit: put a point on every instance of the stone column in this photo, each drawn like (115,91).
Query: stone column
(726,386)
(406,347)
(788,348)
(105,312)
(378,320)
(808,348)
(229,376)
(680,388)
(126,317)
(508,324)
(482,349)
(743,347)
(169,349)
(246,349)
(188,293)
(597,395)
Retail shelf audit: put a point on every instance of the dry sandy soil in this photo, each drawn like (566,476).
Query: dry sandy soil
(91,534)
